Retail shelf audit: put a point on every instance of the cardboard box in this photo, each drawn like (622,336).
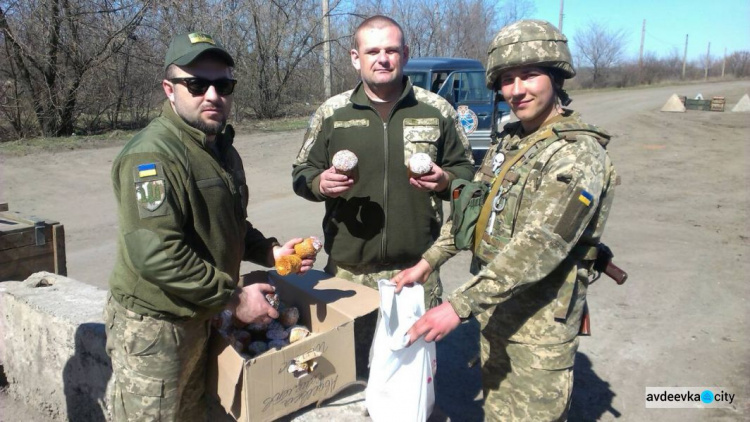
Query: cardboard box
(261,388)
(29,245)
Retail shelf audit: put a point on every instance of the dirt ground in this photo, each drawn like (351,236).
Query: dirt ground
(679,226)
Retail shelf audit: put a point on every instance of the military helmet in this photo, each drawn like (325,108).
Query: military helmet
(528,43)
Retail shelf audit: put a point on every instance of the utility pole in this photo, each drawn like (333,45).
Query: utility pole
(684,56)
(724,63)
(559,23)
(326,50)
(640,55)
(708,59)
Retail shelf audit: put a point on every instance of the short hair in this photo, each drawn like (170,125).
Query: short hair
(378,22)
(170,71)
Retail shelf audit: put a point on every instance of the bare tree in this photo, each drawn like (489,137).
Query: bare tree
(513,10)
(738,63)
(600,47)
(97,64)
(55,43)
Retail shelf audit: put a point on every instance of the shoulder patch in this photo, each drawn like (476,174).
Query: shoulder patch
(468,119)
(150,189)
(147,170)
(150,194)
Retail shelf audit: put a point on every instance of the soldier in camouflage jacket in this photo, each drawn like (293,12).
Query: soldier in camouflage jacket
(385,221)
(535,241)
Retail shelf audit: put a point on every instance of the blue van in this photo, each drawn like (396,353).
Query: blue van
(461,82)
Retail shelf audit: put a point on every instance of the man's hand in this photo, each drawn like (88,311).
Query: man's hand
(416,274)
(333,184)
(435,180)
(288,249)
(435,324)
(252,306)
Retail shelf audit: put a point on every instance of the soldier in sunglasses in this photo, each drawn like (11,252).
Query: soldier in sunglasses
(182,199)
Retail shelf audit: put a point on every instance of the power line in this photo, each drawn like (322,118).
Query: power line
(670,44)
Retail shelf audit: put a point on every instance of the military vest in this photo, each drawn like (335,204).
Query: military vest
(522,179)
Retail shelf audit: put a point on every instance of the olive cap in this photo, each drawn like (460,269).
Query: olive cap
(528,42)
(185,48)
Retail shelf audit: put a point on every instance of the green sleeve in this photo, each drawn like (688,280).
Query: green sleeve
(457,159)
(548,234)
(155,239)
(258,247)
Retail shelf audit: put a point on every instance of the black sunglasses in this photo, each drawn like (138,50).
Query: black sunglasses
(199,86)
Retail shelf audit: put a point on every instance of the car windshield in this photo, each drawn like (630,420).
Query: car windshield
(469,86)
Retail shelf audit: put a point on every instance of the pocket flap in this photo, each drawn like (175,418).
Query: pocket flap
(141,385)
(207,183)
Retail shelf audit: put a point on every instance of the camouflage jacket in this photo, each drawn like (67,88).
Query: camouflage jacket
(182,214)
(382,219)
(531,269)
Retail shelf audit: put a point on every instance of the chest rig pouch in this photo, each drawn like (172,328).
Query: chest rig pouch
(467,199)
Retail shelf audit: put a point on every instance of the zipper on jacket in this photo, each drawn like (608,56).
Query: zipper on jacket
(383,249)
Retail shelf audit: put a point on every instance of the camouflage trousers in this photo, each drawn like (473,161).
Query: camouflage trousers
(364,327)
(519,384)
(159,366)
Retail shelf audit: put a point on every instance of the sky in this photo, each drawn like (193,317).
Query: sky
(723,23)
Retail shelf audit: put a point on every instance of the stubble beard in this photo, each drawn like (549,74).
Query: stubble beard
(209,128)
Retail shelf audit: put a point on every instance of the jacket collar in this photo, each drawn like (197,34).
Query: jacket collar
(359,96)
(223,139)
(519,137)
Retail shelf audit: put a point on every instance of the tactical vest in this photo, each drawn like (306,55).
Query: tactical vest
(524,175)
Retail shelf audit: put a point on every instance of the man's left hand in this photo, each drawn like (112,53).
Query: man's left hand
(249,304)
(435,180)
(435,324)
(288,249)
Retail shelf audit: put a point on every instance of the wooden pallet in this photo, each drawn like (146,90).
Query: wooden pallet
(717,103)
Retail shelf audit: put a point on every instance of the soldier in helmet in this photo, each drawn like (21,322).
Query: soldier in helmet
(550,187)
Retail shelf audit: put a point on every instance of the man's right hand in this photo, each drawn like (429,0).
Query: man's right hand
(416,274)
(333,184)
(252,305)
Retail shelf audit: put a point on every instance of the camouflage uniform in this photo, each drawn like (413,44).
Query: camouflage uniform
(382,224)
(532,264)
(159,366)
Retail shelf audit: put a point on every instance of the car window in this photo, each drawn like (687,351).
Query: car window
(474,88)
(418,79)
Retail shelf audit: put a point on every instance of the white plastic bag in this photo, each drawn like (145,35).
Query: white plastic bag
(401,385)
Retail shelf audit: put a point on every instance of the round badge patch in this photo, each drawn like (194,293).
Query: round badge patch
(150,195)
(468,118)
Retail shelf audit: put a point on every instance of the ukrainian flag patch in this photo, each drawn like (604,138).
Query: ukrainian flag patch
(586,198)
(147,170)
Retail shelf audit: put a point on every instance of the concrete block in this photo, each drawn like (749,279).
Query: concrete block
(674,104)
(742,106)
(52,346)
